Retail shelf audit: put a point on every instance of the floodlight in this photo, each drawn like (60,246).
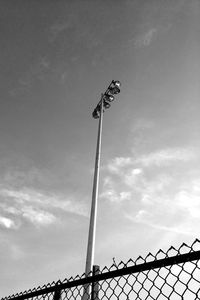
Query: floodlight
(114,90)
(117,83)
(109,98)
(115,87)
(106,99)
(106,104)
(95,114)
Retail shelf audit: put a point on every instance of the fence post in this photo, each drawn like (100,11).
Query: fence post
(57,294)
(95,285)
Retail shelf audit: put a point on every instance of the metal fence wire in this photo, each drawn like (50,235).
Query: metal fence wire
(174,274)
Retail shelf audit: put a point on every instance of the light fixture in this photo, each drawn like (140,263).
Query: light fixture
(108,97)
(114,87)
(96,114)
(106,104)
(117,83)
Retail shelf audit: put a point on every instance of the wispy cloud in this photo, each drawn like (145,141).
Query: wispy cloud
(110,191)
(56,29)
(118,163)
(131,176)
(37,217)
(142,124)
(7,223)
(146,218)
(152,188)
(130,173)
(37,207)
(37,71)
(167,156)
(146,38)
(44,200)
(60,27)
(177,212)
(116,197)
(188,201)
(161,157)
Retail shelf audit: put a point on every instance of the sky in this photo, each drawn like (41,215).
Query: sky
(56,59)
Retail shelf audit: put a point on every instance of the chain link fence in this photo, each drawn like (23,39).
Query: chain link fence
(173,274)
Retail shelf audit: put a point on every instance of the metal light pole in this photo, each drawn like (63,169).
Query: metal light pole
(93,213)
(104,103)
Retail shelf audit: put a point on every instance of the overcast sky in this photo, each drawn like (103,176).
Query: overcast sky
(56,58)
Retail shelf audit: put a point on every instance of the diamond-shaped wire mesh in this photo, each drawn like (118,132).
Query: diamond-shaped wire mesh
(172,282)
(174,275)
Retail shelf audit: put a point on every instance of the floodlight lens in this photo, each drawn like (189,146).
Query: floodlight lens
(117,83)
(109,98)
(95,114)
(106,104)
(114,90)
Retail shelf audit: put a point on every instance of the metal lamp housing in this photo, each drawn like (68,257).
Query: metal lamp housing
(114,90)
(95,114)
(109,98)
(115,87)
(106,104)
(117,83)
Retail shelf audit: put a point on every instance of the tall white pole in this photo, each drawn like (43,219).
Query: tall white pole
(93,213)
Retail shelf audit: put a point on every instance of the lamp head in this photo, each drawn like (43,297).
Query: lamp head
(109,98)
(106,104)
(115,87)
(117,83)
(96,113)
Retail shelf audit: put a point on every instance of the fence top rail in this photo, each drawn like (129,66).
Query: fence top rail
(161,259)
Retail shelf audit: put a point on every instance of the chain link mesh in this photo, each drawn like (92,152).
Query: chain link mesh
(174,274)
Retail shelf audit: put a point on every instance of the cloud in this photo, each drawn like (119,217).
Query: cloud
(114,192)
(142,124)
(115,196)
(37,207)
(37,71)
(189,202)
(44,200)
(118,163)
(37,217)
(163,157)
(141,216)
(58,28)
(160,189)
(146,218)
(166,156)
(129,174)
(146,38)
(169,205)
(8,223)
